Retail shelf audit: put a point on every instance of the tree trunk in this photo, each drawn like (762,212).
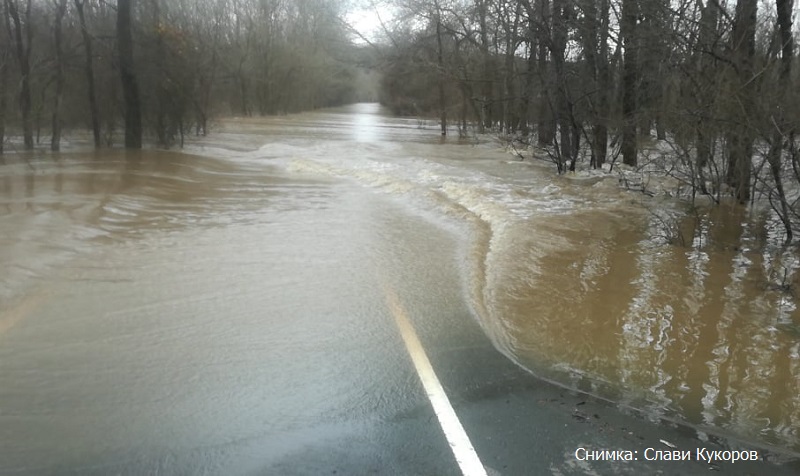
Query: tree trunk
(629,81)
(741,138)
(783,128)
(661,131)
(130,87)
(440,64)
(3,101)
(23,50)
(527,89)
(596,47)
(206,87)
(546,128)
(563,106)
(487,82)
(462,131)
(509,116)
(704,136)
(243,92)
(61,9)
(89,71)
(605,86)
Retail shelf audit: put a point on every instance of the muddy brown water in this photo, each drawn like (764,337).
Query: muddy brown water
(692,318)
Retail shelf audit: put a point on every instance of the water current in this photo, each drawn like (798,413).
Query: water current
(689,316)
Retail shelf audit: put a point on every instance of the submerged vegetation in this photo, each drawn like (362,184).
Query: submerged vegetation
(591,81)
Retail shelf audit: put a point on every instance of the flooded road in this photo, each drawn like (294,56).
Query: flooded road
(221,310)
(202,326)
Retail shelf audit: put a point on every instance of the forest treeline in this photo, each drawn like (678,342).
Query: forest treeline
(596,79)
(162,68)
(591,80)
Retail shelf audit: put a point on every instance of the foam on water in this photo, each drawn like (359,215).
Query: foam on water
(565,276)
(499,211)
(571,277)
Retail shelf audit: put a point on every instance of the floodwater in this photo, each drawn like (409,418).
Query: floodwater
(121,256)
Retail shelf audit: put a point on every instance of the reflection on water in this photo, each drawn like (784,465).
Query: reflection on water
(574,282)
(706,333)
(52,208)
(176,314)
(568,278)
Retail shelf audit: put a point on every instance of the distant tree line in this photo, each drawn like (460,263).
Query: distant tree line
(163,68)
(597,79)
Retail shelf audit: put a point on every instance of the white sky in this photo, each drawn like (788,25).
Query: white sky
(365,20)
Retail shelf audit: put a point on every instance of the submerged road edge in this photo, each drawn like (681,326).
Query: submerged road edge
(465,454)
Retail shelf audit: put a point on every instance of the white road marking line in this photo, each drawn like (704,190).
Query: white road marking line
(465,454)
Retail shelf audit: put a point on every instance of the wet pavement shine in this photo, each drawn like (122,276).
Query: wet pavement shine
(232,309)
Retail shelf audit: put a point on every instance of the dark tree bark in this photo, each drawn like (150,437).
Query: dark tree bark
(530,69)
(782,128)
(740,140)
(595,44)
(563,105)
(4,59)
(61,10)
(708,36)
(243,92)
(487,82)
(89,71)
(651,36)
(510,26)
(162,104)
(130,86)
(546,127)
(23,52)
(201,104)
(440,64)
(604,86)
(629,81)
(3,100)
(785,8)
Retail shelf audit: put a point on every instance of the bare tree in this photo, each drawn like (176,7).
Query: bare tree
(628,27)
(740,140)
(130,86)
(91,90)
(546,126)
(58,38)
(21,28)
(783,129)
(4,59)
